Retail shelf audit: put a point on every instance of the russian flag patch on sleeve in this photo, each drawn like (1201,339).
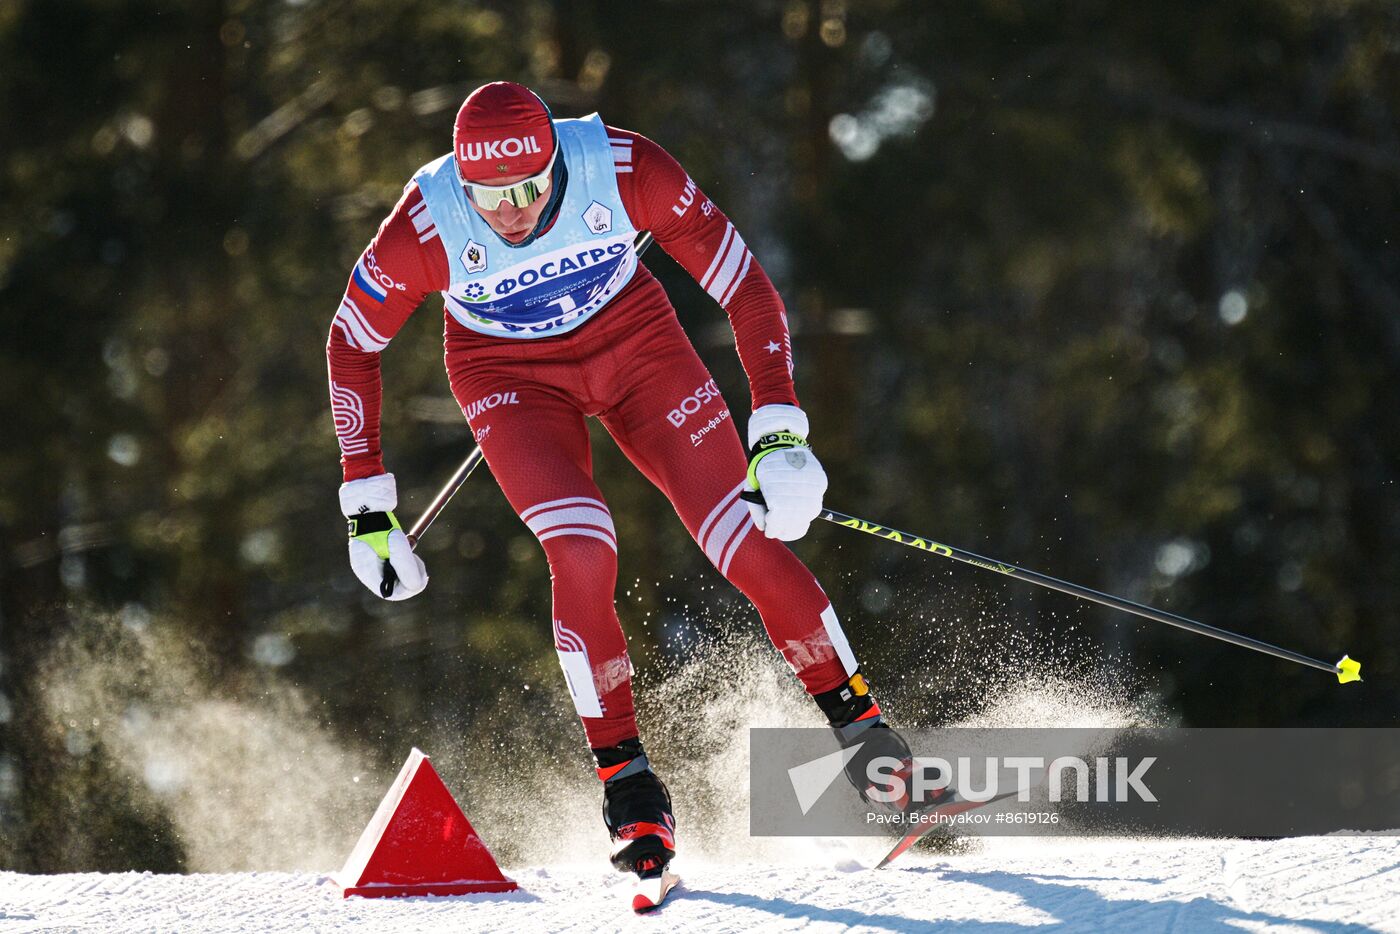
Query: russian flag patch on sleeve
(365,277)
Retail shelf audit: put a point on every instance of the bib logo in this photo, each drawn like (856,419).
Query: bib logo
(542,269)
(598,217)
(515,146)
(693,403)
(474,257)
(542,292)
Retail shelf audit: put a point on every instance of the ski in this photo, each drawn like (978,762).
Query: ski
(652,889)
(950,805)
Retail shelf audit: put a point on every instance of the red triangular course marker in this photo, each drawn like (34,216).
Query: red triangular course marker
(420,843)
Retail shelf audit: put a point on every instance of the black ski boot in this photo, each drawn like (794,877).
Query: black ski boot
(855,719)
(636,810)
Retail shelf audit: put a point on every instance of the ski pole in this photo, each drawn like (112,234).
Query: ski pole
(444,494)
(386,587)
(1346,670)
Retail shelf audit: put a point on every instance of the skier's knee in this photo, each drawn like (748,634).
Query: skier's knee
(582,561)
(578,536)
(765,571)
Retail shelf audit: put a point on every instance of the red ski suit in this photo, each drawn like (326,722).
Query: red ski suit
(634,369)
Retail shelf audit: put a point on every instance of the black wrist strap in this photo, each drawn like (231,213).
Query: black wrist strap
(368,522)
(777,441)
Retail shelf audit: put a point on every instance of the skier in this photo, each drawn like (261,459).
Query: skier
(527,229)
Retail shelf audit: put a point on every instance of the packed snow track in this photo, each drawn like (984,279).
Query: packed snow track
(1309,884)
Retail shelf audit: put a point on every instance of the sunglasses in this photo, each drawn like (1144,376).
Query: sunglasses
(521,194)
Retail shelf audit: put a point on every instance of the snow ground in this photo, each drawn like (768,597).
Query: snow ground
(265,784)
(1305,884)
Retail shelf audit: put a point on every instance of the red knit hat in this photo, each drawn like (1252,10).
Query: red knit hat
(502,129)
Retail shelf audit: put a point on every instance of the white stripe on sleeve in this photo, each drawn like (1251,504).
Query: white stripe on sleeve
(719,255)
(357,331)
(718,286)
(734,287)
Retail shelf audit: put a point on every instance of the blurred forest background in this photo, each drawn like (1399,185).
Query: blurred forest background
(1108,290)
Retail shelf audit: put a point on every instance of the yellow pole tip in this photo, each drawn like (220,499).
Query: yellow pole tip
(1348,669)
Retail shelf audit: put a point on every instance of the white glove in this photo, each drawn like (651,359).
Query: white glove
(377,539)
(783,468)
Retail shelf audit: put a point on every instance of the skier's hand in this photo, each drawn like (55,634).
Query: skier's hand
(783,468)
(377,539)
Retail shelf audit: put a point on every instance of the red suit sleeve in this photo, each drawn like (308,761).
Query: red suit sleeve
(401,265)
(660,197)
